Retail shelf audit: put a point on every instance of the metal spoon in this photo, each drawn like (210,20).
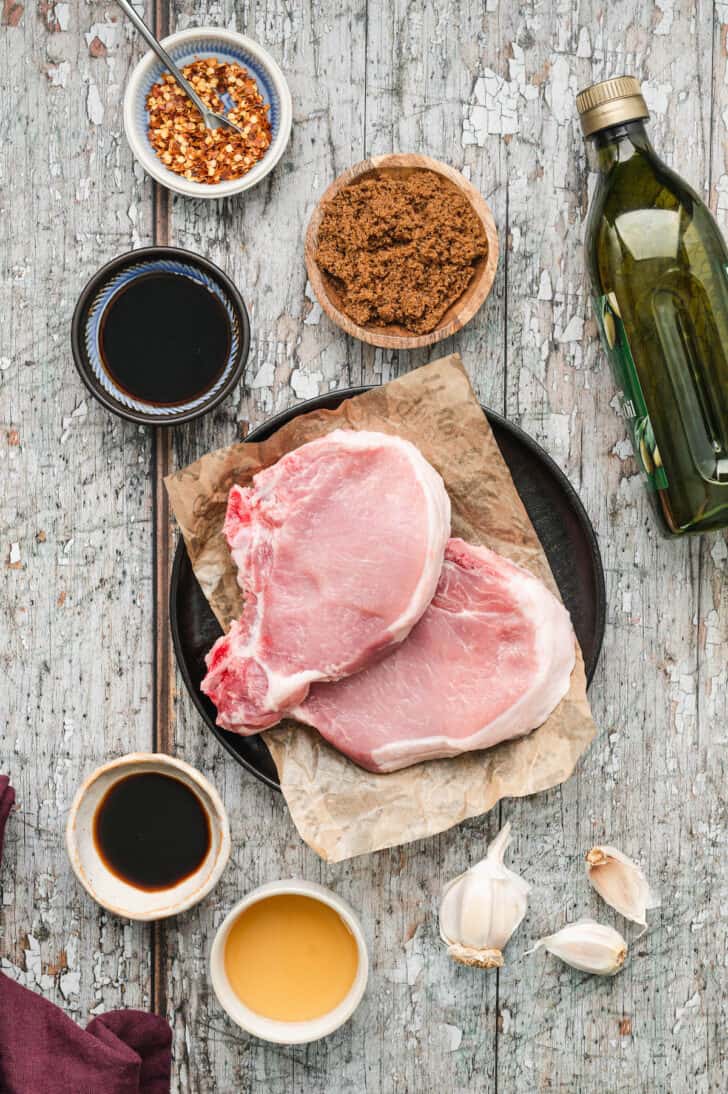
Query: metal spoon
(211,119)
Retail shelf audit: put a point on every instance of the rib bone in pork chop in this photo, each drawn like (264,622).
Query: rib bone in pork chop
(490,659)
(339,548)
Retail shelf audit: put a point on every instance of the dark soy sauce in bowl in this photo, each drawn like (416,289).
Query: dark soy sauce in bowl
(164,338)
(151,831)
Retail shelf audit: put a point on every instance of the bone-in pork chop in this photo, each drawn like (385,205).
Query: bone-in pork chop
(490,659)
(339,548)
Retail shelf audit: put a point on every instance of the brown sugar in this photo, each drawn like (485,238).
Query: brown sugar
(401,249)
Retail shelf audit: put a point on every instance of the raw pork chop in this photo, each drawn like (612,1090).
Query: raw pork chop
(490,659)
(339,548)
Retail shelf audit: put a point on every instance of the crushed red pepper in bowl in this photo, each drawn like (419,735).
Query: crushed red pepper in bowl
(181,139)
(401,249)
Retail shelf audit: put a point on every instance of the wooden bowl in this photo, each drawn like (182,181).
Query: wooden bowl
(459,313)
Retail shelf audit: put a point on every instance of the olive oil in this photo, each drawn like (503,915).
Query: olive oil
(659,272)
(291,958)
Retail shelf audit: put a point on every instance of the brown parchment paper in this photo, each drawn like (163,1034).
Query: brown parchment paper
(339,809)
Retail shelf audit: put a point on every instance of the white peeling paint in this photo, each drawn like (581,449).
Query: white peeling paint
(265,375)
(665,24)
(492,110)
(94,106)
(559,92)
(58,74)
(453,1037)
(105,32)
(692,1005)
(657,96)
(14,558)
(719,551)
(623,449)
(80,412)
(32,960)
(62,13)
(573,331)
(584,48)
(305,384)
(70,984)
(314,314)
(545,288)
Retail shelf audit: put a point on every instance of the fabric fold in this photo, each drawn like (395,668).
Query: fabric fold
(43,1050)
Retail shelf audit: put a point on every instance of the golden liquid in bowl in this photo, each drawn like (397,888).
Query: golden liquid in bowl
(290,958)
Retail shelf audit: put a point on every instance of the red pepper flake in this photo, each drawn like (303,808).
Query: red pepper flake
(183,142)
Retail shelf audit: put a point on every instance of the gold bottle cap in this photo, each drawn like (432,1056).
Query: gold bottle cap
(609,103)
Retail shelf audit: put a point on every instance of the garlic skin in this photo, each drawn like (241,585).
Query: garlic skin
(480,909)
(621,883)
(588,946)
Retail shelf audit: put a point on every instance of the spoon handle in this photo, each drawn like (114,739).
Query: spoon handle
(164,57)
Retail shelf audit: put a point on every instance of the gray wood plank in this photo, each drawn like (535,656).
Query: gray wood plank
(76,547)
(653,1028)
(258,239)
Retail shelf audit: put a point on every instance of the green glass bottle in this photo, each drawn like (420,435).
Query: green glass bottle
(659,274)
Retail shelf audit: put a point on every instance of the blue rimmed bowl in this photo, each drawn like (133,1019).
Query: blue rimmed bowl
(94,302)
(185,47)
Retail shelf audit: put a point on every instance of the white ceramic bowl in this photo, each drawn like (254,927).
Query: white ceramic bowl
(106,888)
(185,47)
(288,1033)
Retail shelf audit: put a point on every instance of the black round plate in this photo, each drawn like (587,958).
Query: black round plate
(554,507)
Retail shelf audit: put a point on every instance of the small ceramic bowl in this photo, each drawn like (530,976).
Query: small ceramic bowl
(106,888)
(288,1033)
(185,47)
(101,290)
(460,312)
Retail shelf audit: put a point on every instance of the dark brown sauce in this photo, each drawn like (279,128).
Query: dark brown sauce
(151,831)
(165,339)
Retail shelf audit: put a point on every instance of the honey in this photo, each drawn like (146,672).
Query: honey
(291,958)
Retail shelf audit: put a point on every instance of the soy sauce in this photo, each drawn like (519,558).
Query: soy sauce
(151,831)
(165,339)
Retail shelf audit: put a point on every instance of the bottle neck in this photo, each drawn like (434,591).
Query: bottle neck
(618,143)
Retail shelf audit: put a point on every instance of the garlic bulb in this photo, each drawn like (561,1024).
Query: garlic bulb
(620,882)
(588,946)
(481,908)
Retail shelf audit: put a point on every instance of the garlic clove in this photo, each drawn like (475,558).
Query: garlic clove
(621,883)
(481,959)
(588,946)
(480,909)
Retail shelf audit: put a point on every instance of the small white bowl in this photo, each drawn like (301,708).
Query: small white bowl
(185,47)
(106,888)
(288,1033)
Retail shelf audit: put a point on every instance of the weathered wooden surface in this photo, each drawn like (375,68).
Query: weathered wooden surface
(75,510)
(488,86)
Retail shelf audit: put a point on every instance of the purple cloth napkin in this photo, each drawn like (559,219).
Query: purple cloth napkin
(43,1052)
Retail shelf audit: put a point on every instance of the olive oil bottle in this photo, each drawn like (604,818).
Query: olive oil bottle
(659,274)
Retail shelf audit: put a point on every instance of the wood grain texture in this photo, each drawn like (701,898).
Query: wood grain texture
(460,312)
(488,87)
(75,509)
